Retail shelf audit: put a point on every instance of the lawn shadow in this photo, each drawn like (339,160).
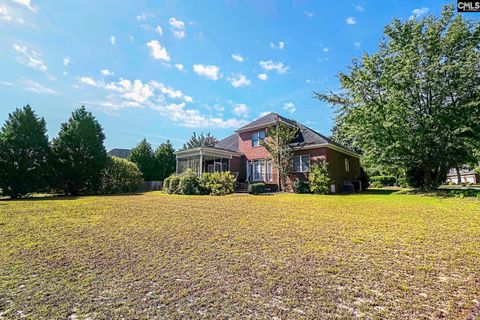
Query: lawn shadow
(57,197)
(383,192)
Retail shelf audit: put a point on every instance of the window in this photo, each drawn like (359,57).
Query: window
(257,137)
(301,163)
(347,165)
(258,168)
(269,171)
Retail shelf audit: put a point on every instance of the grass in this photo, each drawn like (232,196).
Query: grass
(370,256)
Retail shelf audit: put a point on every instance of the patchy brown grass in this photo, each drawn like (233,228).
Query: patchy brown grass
(374,256)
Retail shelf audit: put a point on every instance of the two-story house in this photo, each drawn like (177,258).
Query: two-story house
(243,154)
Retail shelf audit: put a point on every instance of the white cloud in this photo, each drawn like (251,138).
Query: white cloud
(66,61)
(357,45)
(351,20)
(157,51)
(326,49)
(264,113)
(179,66)
(418,12)
(240,109)
(88,81)
(106,72)
(131,38)
(289,107)
(280,45)
(26,3)
(208,71)
(113,40)
(237,57)
(30,58)
(270,65)
(359,8)
(144,16)
(4,14)
(309,14)
(262,76)
(239,80)
(178,27)
(159,30)
(37,87)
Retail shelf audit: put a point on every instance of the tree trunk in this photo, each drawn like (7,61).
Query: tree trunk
(427,178)
(459,178)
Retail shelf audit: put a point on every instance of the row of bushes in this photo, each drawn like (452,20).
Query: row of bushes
(216,183)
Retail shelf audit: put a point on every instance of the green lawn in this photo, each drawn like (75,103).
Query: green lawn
(380,256)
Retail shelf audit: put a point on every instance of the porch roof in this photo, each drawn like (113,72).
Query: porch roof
(207,151)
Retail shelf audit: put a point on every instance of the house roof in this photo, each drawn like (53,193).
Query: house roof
(265,121)
(120,153)
(228,143)
(305,137)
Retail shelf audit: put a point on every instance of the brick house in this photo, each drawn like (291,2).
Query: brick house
(242,154)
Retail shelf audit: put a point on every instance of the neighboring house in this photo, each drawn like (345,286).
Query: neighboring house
(465,174)
(242,154)
(120,153)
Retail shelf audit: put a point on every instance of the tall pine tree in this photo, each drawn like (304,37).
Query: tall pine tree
(144,157)
(80,155)
(24,153)
(165,155)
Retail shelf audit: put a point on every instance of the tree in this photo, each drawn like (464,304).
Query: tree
(277,142)
(24,153)
(142,155)
(200,141)
(120,176)
(80,155)
(415,103)
(165,155)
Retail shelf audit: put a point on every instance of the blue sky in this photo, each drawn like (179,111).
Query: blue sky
(163,69)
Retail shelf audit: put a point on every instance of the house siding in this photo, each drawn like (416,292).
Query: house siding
(336,167)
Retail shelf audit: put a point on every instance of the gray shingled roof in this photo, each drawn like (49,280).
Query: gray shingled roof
(306,136)
(120,153)
(228,143)
(265,120)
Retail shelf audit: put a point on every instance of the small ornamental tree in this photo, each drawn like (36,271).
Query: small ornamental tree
(120,176)
(79,153)
(277,142)
(200,141)
(142,155)
(24,153)
(319,179)
(165,155)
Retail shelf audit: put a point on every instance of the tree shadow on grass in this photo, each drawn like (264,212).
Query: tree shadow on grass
(61,197)
(383,192)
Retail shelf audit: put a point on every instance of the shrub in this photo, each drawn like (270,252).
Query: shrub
(189,183)
(257,188)
(120,176)
(384,180)
(376,184)
(300,186)
(217,183)
(319,179)
(174,182)
(166,184)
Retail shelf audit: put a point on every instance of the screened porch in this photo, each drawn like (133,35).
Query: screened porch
(202,160)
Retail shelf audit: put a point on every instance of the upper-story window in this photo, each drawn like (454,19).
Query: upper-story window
(301,163)
(347,165)
(257,137)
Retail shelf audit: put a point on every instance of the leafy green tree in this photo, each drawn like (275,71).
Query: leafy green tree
(165,155)
(120,176)
(415,103)
(80,155)
(143,156)
(277,142)
(201,140)
(318,179)
(24,153)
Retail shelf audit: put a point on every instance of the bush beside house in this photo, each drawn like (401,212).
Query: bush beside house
(188,183)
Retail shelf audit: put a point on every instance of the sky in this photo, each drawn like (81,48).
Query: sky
(163,69)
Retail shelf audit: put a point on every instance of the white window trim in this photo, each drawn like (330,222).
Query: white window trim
(347,165)
(263,165)
(301,163)
(258,139)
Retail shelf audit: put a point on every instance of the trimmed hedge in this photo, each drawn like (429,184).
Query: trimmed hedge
(188,183)
(257,188)
(385,181)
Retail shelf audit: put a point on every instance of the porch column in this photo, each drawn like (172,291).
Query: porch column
(201,162)
(176,165)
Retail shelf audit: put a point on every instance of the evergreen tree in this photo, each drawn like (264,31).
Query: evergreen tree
(24,153)
(202,140)
(80,155)
(165,155)
(144,157)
